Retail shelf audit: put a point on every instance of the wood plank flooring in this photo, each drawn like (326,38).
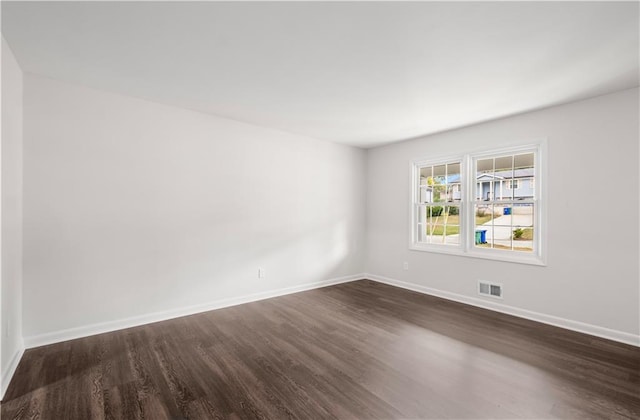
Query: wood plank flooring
(360,350)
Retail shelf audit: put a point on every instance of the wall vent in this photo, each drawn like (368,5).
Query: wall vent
(486,288)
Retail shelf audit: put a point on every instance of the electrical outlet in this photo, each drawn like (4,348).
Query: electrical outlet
(260,273)
(405,265)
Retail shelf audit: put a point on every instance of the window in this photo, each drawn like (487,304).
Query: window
(478,205)
(437,203)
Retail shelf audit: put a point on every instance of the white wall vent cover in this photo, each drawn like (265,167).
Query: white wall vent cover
(486,288)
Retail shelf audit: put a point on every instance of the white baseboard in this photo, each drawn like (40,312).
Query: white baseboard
(10,370)
(85,331)
(620,336)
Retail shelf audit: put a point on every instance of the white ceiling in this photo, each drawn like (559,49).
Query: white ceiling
(358,73)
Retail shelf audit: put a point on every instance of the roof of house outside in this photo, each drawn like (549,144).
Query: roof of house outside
(500,175)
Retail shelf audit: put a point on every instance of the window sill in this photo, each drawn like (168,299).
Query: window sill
(494,255)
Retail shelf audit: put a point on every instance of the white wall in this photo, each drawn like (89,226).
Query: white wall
(592,274)
(11,314)
(132,208)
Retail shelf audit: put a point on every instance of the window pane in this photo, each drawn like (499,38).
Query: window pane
(441,224)
(484,180)
(453,169)
(452,215)
(524,172)
(484,213)
(502,215)
(508,227)
(485,165)
(426,172)
(439,193)
(440,172)
(434,183)
(503,190)
(430,230)
(454,186)
(435,214)
(425,194)
(500,234)
(523,217)
(438,230)
(523,161)
(503,178)
(504,164)
(438,183)
(454,192)
(483,222)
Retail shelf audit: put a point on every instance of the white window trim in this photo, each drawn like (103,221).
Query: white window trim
(467,234)
(415,180)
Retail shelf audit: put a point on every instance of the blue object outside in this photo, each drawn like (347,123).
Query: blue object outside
(481,236)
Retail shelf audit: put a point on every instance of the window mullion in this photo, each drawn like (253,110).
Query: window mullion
(469,193)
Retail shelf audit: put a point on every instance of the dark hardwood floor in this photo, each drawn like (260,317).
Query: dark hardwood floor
(360,350)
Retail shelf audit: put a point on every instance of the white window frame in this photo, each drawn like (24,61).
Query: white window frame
(467,246)
(415,183)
